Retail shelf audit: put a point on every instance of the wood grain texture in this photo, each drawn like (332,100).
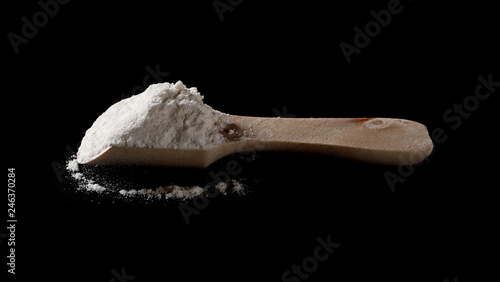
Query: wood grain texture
(375,140)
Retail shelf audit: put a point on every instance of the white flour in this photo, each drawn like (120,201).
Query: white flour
(165,115)
(84,182)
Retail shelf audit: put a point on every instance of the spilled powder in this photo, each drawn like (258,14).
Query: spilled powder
(86,184)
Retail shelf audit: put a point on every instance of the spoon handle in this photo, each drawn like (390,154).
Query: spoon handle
(377,140)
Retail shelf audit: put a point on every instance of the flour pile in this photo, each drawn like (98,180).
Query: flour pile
(165,115)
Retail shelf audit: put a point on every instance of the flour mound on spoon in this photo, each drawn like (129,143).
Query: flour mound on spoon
(165,115)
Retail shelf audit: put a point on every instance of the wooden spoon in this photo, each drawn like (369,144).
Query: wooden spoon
(376,140)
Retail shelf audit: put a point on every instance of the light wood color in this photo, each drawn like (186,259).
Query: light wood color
(375,140)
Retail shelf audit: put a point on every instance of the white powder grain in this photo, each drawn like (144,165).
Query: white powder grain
(95,187)
(77,175)
(165,115)
(178,192)
(221,187)
(72,165)
(237,187)
(83,182)
(167,192)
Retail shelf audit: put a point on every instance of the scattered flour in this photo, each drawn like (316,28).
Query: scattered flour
(165,115)
(86,184)
(237,187)
(221,187)
(168,192)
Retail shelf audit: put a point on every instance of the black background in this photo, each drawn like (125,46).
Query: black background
(438,224)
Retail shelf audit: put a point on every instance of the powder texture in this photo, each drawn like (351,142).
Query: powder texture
(165,115)
(237,187)
(86,184)
(168,192)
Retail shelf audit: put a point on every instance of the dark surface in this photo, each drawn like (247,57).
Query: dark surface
(438,224)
